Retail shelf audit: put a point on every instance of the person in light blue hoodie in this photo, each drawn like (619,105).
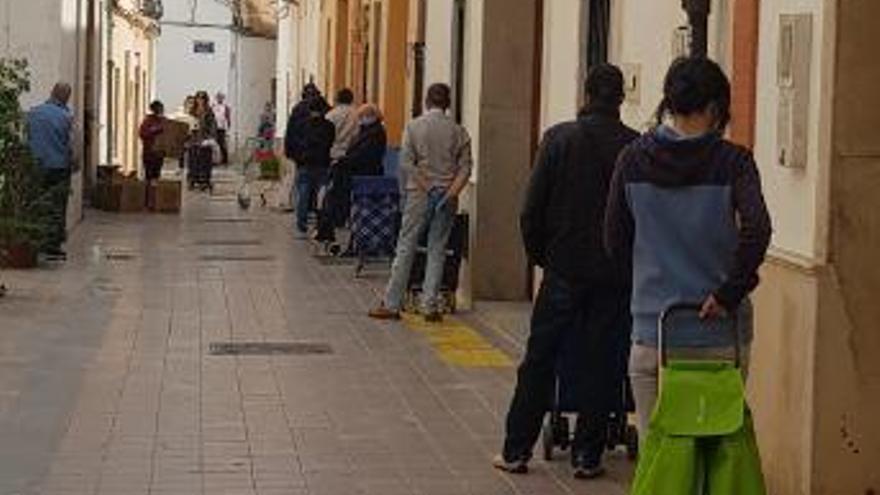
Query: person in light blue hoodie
(49,127)
(685,208)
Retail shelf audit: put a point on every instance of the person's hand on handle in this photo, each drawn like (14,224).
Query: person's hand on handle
(712,309)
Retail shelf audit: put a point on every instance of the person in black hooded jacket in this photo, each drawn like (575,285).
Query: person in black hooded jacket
(583,300)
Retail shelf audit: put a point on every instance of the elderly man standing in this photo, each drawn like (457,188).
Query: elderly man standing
(49,128)
(436,159)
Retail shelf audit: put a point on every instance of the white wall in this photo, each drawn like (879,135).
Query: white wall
(560,78)
(642,34)
(256,69)
(207,12)
(181,72)
(438,41)
(473,76)
(796,198)
(33,30)
(298,56)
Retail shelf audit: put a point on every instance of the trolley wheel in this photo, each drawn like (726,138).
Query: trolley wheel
(631,438)
(548,439)
(562,430)
(334,249)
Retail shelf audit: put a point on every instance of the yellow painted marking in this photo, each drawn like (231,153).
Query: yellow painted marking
(459,344)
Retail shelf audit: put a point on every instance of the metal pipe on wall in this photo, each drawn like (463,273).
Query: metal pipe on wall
(698,17)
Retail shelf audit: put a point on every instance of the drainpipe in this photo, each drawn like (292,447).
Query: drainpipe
(698,18)
(111,91)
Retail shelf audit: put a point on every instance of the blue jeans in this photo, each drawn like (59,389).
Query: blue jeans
(421,211)
(308,183)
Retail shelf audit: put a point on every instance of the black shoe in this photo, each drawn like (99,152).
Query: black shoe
(519,466)
(586,469)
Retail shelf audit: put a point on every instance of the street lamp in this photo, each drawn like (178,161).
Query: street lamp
(698,17)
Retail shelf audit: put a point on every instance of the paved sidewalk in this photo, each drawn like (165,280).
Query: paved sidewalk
(108,383)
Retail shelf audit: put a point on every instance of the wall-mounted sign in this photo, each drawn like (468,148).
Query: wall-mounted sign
(203,46)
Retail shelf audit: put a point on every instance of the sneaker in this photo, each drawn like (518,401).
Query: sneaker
(585,469)
(383,313)
(519,466)
(433,317)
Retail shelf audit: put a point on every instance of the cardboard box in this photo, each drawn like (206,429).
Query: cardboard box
(165,196)
(132,196)
(107,196)
(173,138)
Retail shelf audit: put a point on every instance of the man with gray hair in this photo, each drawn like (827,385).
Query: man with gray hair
(49,127)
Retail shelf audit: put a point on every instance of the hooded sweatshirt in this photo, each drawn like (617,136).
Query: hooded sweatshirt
(690,215)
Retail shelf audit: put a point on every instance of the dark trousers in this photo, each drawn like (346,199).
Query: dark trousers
(592,326)
(337,205)
(224,147)
(56,187)
(308,182)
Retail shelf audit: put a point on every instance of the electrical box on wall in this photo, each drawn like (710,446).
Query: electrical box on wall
(793,79)
(632,82)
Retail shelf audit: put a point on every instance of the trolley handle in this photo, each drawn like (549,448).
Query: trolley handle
(690,307)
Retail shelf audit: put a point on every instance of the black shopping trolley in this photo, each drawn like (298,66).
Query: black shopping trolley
(557,431)
(455,251)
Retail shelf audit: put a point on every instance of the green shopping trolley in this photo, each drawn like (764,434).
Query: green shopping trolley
(701,439)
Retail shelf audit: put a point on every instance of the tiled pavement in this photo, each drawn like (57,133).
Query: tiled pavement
(107,385)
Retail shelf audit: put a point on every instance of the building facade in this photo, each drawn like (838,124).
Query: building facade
(129,80)
(799,82)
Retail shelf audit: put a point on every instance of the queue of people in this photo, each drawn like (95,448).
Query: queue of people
(624,226)
(328,146)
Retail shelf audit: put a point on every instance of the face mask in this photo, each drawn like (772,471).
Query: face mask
(365,121)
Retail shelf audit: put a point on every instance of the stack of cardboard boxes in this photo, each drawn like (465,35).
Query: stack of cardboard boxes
(121,193)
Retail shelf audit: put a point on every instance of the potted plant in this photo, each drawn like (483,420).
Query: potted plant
(24,202)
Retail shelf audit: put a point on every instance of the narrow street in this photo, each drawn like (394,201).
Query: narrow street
(111,382)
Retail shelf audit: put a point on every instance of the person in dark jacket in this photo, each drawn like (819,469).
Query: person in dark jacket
(686,209)
(582,303)
(312,162)
(364,157)
(299,114)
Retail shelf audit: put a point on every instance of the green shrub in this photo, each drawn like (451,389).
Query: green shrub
(24,202)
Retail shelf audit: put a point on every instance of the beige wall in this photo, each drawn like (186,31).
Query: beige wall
(847,444)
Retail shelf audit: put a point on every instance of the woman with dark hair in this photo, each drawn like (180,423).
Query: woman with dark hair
(686,209)
(207,122)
